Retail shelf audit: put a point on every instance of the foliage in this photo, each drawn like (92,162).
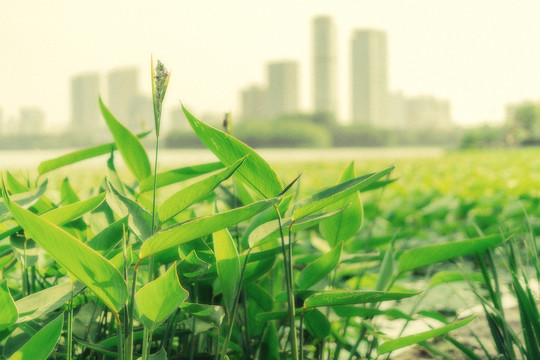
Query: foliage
(223,260)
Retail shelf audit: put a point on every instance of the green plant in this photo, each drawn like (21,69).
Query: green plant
(235,264)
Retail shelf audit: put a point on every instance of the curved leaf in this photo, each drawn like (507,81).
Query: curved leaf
(343,297)
(194,192)
(227,265)
(255,172)
(178,175)
(195,228)
(9,313)
(80,260)
(431,254)
(79,155)
(158,299)
(40,346)
(399,343)
(346,224)
(335,193)
(128,144)
(318,269)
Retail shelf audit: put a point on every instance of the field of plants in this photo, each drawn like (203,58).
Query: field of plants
(242,259)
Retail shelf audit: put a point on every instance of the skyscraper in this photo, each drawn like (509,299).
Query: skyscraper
(254,102)
(85,114)
(324,65)
(123,88)
(369,76)
(283,88)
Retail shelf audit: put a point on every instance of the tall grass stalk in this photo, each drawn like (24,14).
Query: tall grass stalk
(287,261)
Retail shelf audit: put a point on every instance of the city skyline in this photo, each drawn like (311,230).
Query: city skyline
(479,57)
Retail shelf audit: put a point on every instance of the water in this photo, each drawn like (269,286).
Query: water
(172,158)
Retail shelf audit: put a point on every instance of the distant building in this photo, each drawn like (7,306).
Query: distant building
(177,119)
(397,110)
(426,111)
(283,88)
(141,113)
(254,103)
(369,76)
(123,88)
(85,113)
(324,59)
(31,121)
(1,123)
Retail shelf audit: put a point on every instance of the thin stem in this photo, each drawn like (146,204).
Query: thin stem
(290,293)
(120,336)
(69,334)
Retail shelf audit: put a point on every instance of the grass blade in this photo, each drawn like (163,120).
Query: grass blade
(40,346)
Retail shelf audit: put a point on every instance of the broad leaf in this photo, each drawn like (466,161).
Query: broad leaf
(9,313)
(139,220)
(157,300)
(25,200)
(346,224)
(335,193)
(211,314)
(320,268)
(432,254)
(40,346)
(255,172)
(80,260)
(128,144)
(178,175)
(79,155)
(344,297)
(195,228)
(399,343)
(45,301)
(194,192)
(228,266)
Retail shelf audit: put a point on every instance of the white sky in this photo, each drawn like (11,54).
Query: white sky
(479,54)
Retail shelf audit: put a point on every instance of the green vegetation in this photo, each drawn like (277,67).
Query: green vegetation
(235,260)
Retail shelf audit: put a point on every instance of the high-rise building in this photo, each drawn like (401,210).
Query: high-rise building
(31,121)
(254,102)
(85,114)
(324,59)
(283,88)
(369,75)
(123,88)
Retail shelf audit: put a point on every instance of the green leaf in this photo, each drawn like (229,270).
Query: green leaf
(79,155)
(270,343)
(228,266)
(80,260)
(45,301)
(335,193)
(344,297)
(194,192)
(158,299)
(444,277)
(178,175)
(387,269)
(40,346)
(317,324)
(160,355)
(399,343)
(139,220)
(255,172)
(346,311)
(9,313)
(26,200)
(346,224)
(109,237)
(65,214)
(431,254)
(211,314)
(318,269)
(128,144)
(67,193)
(271,230)
(195,228)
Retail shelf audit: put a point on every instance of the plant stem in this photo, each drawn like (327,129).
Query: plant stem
(120,336)
(69,334)
(288,278)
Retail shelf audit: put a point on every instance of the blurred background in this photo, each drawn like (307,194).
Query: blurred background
(292,74)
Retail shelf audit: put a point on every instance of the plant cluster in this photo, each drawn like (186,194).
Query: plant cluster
(214,261)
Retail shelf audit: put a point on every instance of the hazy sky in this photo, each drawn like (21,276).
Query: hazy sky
(479,54)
